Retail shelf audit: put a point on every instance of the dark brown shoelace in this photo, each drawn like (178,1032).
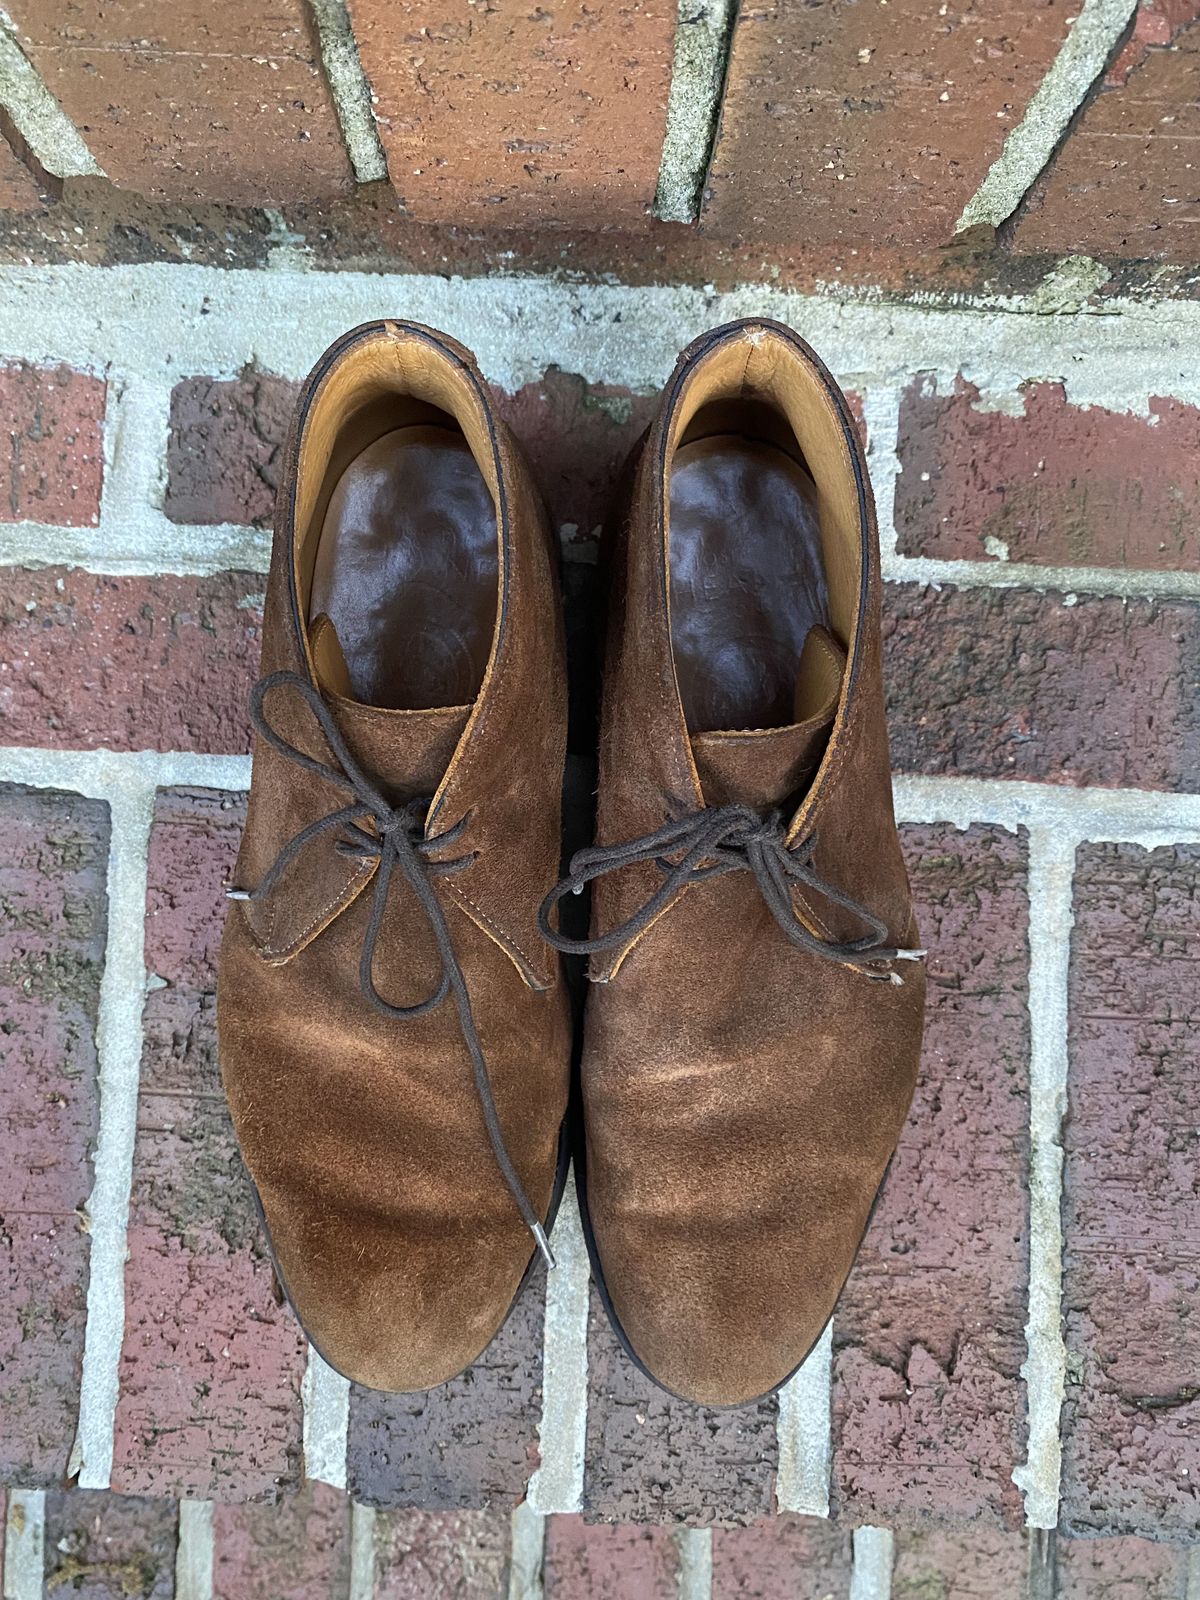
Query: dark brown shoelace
(396,838)
(706,844)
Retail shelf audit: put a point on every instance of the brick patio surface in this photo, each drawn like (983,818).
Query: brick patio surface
(984,221)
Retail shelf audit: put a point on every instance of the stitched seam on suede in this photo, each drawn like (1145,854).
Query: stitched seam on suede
(269,952)
(504,939)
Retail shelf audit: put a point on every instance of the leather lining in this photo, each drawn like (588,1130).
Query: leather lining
(747,580)
(405,569)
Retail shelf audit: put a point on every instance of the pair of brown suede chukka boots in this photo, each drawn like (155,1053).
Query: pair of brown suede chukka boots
(395,1029)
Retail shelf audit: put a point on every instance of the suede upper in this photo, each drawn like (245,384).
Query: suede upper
(397,1239)
(742,1097)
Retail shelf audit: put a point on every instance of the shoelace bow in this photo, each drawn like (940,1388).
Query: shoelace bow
(706,844)
(397,841)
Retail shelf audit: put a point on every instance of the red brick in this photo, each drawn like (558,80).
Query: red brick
(1131,1214)
(225,446)
(211,1364)
(976,1564)
(652,1458)
(1120,1569)
(87,660)
(52,888)
(609,1563)
(844,124)
(1124,182)
(803,1558)
(54,466)
(577,436)
(467,1444)
(505,116)
(106,1547)
(1051,485)
(420,1555)
(18,190)
(1013,683)
(296,1550)
(182,103)
(929,1407)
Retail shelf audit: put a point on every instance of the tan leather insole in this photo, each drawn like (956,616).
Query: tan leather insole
(406,570)
(747,581)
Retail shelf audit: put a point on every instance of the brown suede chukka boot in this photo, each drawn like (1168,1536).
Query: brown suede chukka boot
(394,1036)
(754,1024)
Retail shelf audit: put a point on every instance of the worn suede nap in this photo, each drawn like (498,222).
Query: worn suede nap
(397,1240)
(742,1097)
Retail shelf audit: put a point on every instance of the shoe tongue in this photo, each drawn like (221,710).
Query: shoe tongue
(774,766)
(406,752)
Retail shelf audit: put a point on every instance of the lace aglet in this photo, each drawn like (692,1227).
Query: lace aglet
(237,894)
(910,955)
(543,1244)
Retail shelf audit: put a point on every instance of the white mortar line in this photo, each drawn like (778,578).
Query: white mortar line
(1032,143)
(694,1546)
(1051,918)
(874,1557)
(171,320)
(1192,1580)
(141,544)
(25,1544)
(881,413)
(326,1398)
(194,1552)
(362,1553)
(1128,583)
(528,1552)
(804,1432)
(351,92)
(36,114)
(557,1483)
(1124,816)
(119,1050)
(703,37)
(127,783)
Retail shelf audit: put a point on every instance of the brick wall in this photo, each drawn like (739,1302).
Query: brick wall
(832,129)
(1015,1346)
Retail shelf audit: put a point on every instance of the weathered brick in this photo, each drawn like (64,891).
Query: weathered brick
(52,889)
(183,103)
(109,1547)
(18,190)
(929,1408)
(1120,1569)
(577,436)
(54,466)
(1052,484)
(1131,1422)
(1123,183)
(211,1364)
(1012,683)
(159,662)
(800,1558)
(467,1444)
(598,1562)
(225,446)
(298,1549)
(422,1555)
(507,116)
(652,1458)
(974,1564)
(846,124)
